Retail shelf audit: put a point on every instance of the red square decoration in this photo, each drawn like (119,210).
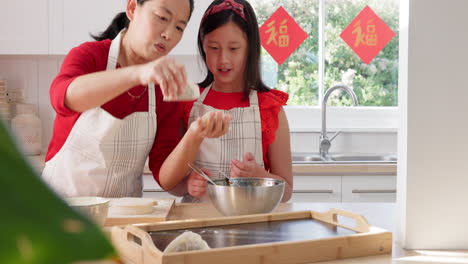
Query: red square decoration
(281,35)
(367,35)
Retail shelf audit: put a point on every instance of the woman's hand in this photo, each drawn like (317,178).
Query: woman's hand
(247,168)
(196,184)
(166,72)
(211,125)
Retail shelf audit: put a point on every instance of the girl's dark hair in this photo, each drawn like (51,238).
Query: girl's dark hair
(249,26)
(121,21)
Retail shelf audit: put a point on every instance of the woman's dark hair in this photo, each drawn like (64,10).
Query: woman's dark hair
(249,26)
(121,21)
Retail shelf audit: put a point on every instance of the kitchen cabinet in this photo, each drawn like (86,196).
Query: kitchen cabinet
(24,27)
(71,22)
(316,189)
(56,26)
(369,189)
(151,189)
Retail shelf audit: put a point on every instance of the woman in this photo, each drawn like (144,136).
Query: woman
(108,98)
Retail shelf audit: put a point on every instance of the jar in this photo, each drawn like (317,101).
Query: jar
(5,113)
(27,128)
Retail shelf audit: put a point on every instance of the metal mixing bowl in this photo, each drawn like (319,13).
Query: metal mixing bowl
(246,195)
(94,207)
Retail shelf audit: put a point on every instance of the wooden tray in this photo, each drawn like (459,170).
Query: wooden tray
(160,213)
(135,243)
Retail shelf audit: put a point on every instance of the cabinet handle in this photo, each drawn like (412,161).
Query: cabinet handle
(313,191)
(373,191)
(153,190)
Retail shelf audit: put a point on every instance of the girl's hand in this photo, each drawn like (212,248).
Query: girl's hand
(246,168)
(196,184)
(211,125)
(166,72)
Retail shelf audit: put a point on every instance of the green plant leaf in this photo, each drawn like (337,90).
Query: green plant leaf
(37,225)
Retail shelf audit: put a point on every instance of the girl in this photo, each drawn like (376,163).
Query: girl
(257,144)
(108,98)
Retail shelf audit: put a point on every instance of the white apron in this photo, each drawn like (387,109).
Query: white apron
(103,155)
(244,135)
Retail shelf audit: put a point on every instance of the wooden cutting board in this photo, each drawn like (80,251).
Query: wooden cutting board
(160,213)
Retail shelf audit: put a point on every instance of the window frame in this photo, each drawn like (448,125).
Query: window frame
(308,118)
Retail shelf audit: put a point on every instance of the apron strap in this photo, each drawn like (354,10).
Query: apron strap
(204,94)
(253,98)
(151,98)
(114,51)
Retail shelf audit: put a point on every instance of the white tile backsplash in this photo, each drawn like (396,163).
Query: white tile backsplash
(34,74)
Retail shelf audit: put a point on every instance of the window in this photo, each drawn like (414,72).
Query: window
(310,70)
(376,83)
(298,75)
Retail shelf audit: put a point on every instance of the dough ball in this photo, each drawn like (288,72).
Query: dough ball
(188,241)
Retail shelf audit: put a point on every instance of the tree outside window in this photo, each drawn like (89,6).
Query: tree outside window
(375,84)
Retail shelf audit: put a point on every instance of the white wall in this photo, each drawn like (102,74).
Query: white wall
(433,145)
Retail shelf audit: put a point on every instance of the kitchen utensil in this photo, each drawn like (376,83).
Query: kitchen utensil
(200,172)
(228,180)
(94,207)
(249,196)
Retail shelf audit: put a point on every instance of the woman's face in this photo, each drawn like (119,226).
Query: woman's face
(157,26)
(226,53)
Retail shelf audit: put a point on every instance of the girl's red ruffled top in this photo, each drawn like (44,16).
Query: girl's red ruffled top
(270,104)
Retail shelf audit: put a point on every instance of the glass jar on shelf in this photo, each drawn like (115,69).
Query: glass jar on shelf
(5,110)
(27,128)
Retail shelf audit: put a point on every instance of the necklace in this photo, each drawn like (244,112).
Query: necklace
(137,96)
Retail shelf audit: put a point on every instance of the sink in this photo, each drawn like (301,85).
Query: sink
(303,157)
(308,158)
(366,158)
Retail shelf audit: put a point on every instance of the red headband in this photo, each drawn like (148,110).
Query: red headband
(226,5)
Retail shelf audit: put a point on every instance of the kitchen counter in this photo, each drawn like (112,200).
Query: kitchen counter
(360,169)
(298,169)
(377,214)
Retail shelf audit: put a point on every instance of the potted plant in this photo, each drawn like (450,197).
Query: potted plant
(37,225)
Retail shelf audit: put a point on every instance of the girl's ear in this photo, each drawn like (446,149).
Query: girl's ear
(131,6)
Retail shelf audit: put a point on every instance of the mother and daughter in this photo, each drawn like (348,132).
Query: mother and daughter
(111,114)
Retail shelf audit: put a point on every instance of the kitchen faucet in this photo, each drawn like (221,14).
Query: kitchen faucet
(325,142)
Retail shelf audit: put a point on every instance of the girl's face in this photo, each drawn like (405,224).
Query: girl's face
(156,26)
(226,52)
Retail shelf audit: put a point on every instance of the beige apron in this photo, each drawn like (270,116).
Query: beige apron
(103,155)
(244,135)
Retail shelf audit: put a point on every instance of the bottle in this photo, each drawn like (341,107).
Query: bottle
(27,128)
